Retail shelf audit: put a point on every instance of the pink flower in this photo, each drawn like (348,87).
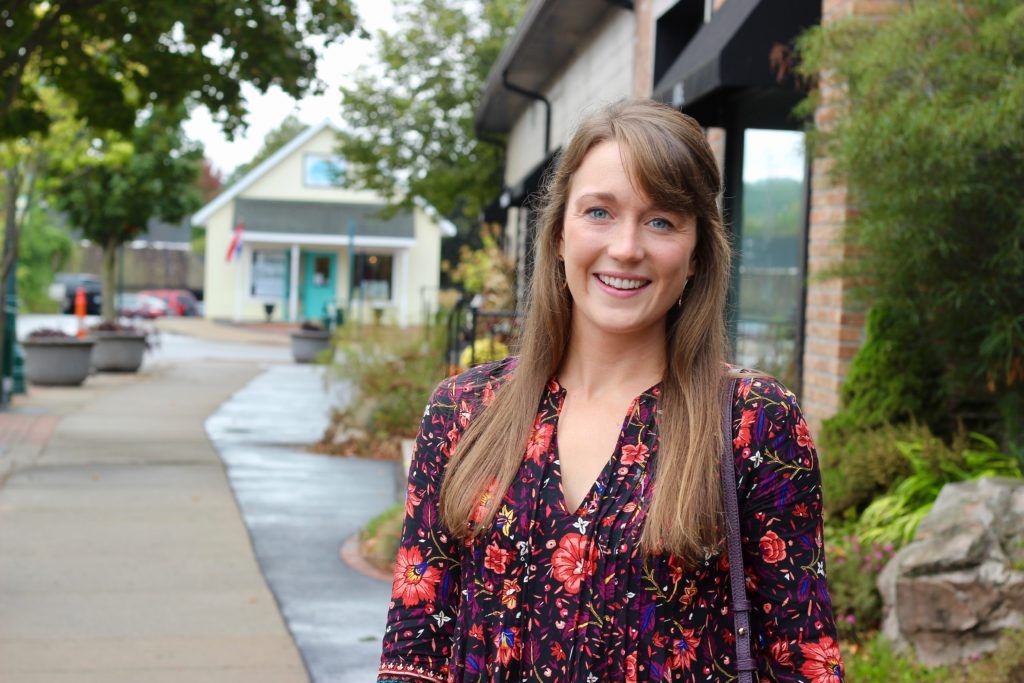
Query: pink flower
(496,559)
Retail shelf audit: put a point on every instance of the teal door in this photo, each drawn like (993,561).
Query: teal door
(319,283)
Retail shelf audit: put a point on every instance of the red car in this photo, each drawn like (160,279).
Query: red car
(179,301)
(139,306)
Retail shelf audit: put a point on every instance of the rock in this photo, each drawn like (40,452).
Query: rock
(950,592)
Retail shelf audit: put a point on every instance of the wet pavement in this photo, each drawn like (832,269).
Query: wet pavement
(299,508)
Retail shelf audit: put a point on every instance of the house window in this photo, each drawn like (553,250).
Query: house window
(771,263)
(269,274)
(373,273)
(323,170)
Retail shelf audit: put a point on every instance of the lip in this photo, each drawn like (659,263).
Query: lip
(615,291)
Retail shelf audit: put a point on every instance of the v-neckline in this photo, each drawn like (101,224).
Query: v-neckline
(604,474)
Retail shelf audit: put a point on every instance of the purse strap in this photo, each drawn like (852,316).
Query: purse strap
(745,663)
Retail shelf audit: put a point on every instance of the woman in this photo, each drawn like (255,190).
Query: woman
(564,506)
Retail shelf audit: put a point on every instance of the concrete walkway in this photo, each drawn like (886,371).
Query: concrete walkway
(125,555)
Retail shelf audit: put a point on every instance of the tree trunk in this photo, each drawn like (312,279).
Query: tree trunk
(108,310)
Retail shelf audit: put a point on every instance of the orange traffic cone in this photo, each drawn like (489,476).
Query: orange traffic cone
(80,310)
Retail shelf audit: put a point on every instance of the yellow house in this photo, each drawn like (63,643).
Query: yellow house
(289,242)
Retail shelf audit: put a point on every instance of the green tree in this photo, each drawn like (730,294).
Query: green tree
(112,189)
(410,115)
(930,140)
(45,246)
(113,58)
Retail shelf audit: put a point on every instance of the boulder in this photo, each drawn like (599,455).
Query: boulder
(950,592)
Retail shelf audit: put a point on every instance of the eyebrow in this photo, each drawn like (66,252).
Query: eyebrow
(596,196)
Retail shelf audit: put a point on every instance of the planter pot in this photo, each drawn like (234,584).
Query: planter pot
(57,361)
(308,344)
(118,351)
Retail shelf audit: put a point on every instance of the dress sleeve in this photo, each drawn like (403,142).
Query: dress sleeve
(426,590)
(783,546)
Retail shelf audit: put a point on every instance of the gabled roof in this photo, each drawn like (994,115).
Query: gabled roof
(230,194)
(202,215)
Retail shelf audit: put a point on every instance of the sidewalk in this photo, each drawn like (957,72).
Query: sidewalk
(123,554)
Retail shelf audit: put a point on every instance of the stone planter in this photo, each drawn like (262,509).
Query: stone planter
(57,361)
(118,351)
(308,344)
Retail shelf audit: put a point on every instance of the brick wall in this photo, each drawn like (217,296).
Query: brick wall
(834,323)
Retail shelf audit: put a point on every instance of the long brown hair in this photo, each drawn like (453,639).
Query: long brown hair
(669,160)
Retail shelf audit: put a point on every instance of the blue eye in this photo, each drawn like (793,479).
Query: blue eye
(598,213)
(660,224)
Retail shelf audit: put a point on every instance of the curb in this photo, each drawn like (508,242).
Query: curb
(349,553)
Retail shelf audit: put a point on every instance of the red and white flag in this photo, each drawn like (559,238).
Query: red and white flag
(235,248)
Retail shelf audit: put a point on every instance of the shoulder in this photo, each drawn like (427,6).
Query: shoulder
(764,409)
(475,384)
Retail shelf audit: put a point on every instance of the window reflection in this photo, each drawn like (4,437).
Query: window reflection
(771,254)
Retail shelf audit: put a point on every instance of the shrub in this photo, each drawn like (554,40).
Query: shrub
(853,570)
(392,374)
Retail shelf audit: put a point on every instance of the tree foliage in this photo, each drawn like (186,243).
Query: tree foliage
(931,142)
(113,58)
(411,114)
(116,184)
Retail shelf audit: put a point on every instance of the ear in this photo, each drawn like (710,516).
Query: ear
(693,267)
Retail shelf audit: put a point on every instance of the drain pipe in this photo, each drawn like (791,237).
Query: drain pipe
(539,98)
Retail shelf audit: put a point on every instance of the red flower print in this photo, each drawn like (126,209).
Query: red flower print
(497,558)
(488,394)
(803,435)
(412,500)
(684,651)
(675,569)
(632,454)
(781,653)
(539,441)
(773,548)
(476,631)
(508,645)
(483,504)
(510,593)
(573,561)
(464,414)
(415,580)
(822,663)
(631,668)
(743,435)
(557,652)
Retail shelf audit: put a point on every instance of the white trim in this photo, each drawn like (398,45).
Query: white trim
(448,228)
(293,285)
(171,246)
(329,240)
(202,215)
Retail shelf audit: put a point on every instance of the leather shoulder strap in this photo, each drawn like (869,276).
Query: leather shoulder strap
(745,663)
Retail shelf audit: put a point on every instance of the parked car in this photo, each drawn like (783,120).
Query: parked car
(65,285)
(179,301)
(139,306)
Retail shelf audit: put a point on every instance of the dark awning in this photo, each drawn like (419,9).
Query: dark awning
(321,218)
(733,52)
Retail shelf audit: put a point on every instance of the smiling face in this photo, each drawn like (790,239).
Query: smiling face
(626,259)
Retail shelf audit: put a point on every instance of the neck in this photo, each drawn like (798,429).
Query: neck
(597,366)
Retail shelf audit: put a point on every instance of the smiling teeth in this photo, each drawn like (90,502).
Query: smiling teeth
(620,283)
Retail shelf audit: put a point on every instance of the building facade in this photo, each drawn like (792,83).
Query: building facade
(289,242)
(729,64)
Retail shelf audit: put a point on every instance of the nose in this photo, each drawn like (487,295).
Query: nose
(625,243)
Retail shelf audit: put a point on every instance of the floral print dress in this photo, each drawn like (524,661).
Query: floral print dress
(551,594)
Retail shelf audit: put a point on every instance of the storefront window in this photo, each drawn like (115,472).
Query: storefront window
(373,273)
(771,254)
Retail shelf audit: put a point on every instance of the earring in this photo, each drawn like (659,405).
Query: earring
(680,302)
